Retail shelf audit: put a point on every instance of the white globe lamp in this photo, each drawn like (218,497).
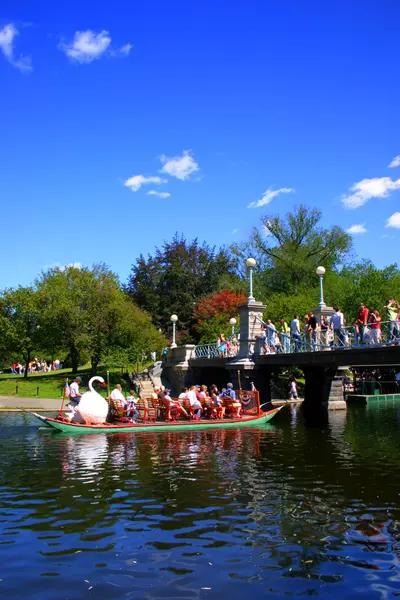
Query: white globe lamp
(173,319)
(321,272)
(251,263)
(232,323)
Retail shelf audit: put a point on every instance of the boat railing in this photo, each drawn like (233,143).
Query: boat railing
(275,342)
(373,387)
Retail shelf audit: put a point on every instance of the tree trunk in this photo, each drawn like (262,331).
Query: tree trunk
(27,361)
(95,362)
(74,359)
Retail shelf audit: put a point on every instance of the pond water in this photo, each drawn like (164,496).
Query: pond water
(275,512)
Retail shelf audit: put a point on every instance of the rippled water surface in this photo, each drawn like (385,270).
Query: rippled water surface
(278,511)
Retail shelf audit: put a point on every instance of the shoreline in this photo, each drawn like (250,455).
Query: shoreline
(18,404)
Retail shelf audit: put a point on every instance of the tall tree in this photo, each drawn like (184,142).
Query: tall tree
(24,332)
(288,250)
(175,278)
(85,310)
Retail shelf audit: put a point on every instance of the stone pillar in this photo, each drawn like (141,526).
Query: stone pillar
(323,311)
(262,381)
(336,395)
(322,392)
(250,327)
(176,368)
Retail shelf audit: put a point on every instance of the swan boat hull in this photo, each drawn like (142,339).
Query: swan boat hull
(246,421)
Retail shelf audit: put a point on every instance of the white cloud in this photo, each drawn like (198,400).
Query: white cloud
(73,265)
(125,49)
(235,231)
(362,191)
(354,229)
(385,236)
(7,37)
(395,162)
(60,267)
(268,195)
(158,194)
(180,167)
(135,183)
(394,221)
(88,45)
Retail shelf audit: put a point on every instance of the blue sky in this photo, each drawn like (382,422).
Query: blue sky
(219,104)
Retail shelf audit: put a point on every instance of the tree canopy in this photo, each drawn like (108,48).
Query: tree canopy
(288,250)
(82,312)
(175,278)
(214,311)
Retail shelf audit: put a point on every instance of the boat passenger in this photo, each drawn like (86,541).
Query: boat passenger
(219,409)
(183,394)
(194,402)
(74,393)
(173,405)
(234,403)
(205,401)
(117,394)
(131,402)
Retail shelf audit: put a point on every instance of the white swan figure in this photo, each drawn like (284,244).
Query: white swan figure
(92,408)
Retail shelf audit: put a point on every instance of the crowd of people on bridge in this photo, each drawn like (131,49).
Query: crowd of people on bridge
(368,327)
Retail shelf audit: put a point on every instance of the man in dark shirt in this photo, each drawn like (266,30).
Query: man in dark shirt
(312,325)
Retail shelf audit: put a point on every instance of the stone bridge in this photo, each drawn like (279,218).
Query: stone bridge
(322,370)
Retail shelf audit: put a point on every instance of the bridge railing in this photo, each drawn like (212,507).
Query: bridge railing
(319,341)
(230,349)
(329,339)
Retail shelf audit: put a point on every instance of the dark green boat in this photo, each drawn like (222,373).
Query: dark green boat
(246,421)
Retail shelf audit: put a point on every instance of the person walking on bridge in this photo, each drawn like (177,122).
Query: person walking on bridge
(295,332)
(284,334)
(392,308)
(337,320)
(375,323)
(362,319)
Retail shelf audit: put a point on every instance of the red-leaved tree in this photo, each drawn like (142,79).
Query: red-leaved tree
(213,314)
(220,303)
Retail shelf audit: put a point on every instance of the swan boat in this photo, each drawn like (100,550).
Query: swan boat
(252,415)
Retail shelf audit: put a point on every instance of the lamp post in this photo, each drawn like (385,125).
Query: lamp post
(173,319)
(251,263)
(321,272)
(233,322)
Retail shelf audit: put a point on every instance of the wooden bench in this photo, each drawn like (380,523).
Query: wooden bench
(119,412)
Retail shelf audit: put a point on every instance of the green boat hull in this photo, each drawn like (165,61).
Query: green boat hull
(151,427)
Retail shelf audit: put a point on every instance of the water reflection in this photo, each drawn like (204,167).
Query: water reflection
(277,511)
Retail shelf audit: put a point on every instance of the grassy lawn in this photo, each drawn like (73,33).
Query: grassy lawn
(50,385)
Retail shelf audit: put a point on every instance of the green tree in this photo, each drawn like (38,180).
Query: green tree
(363,282)
(23,323)
(175,279)
(288,250)
(85,310)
